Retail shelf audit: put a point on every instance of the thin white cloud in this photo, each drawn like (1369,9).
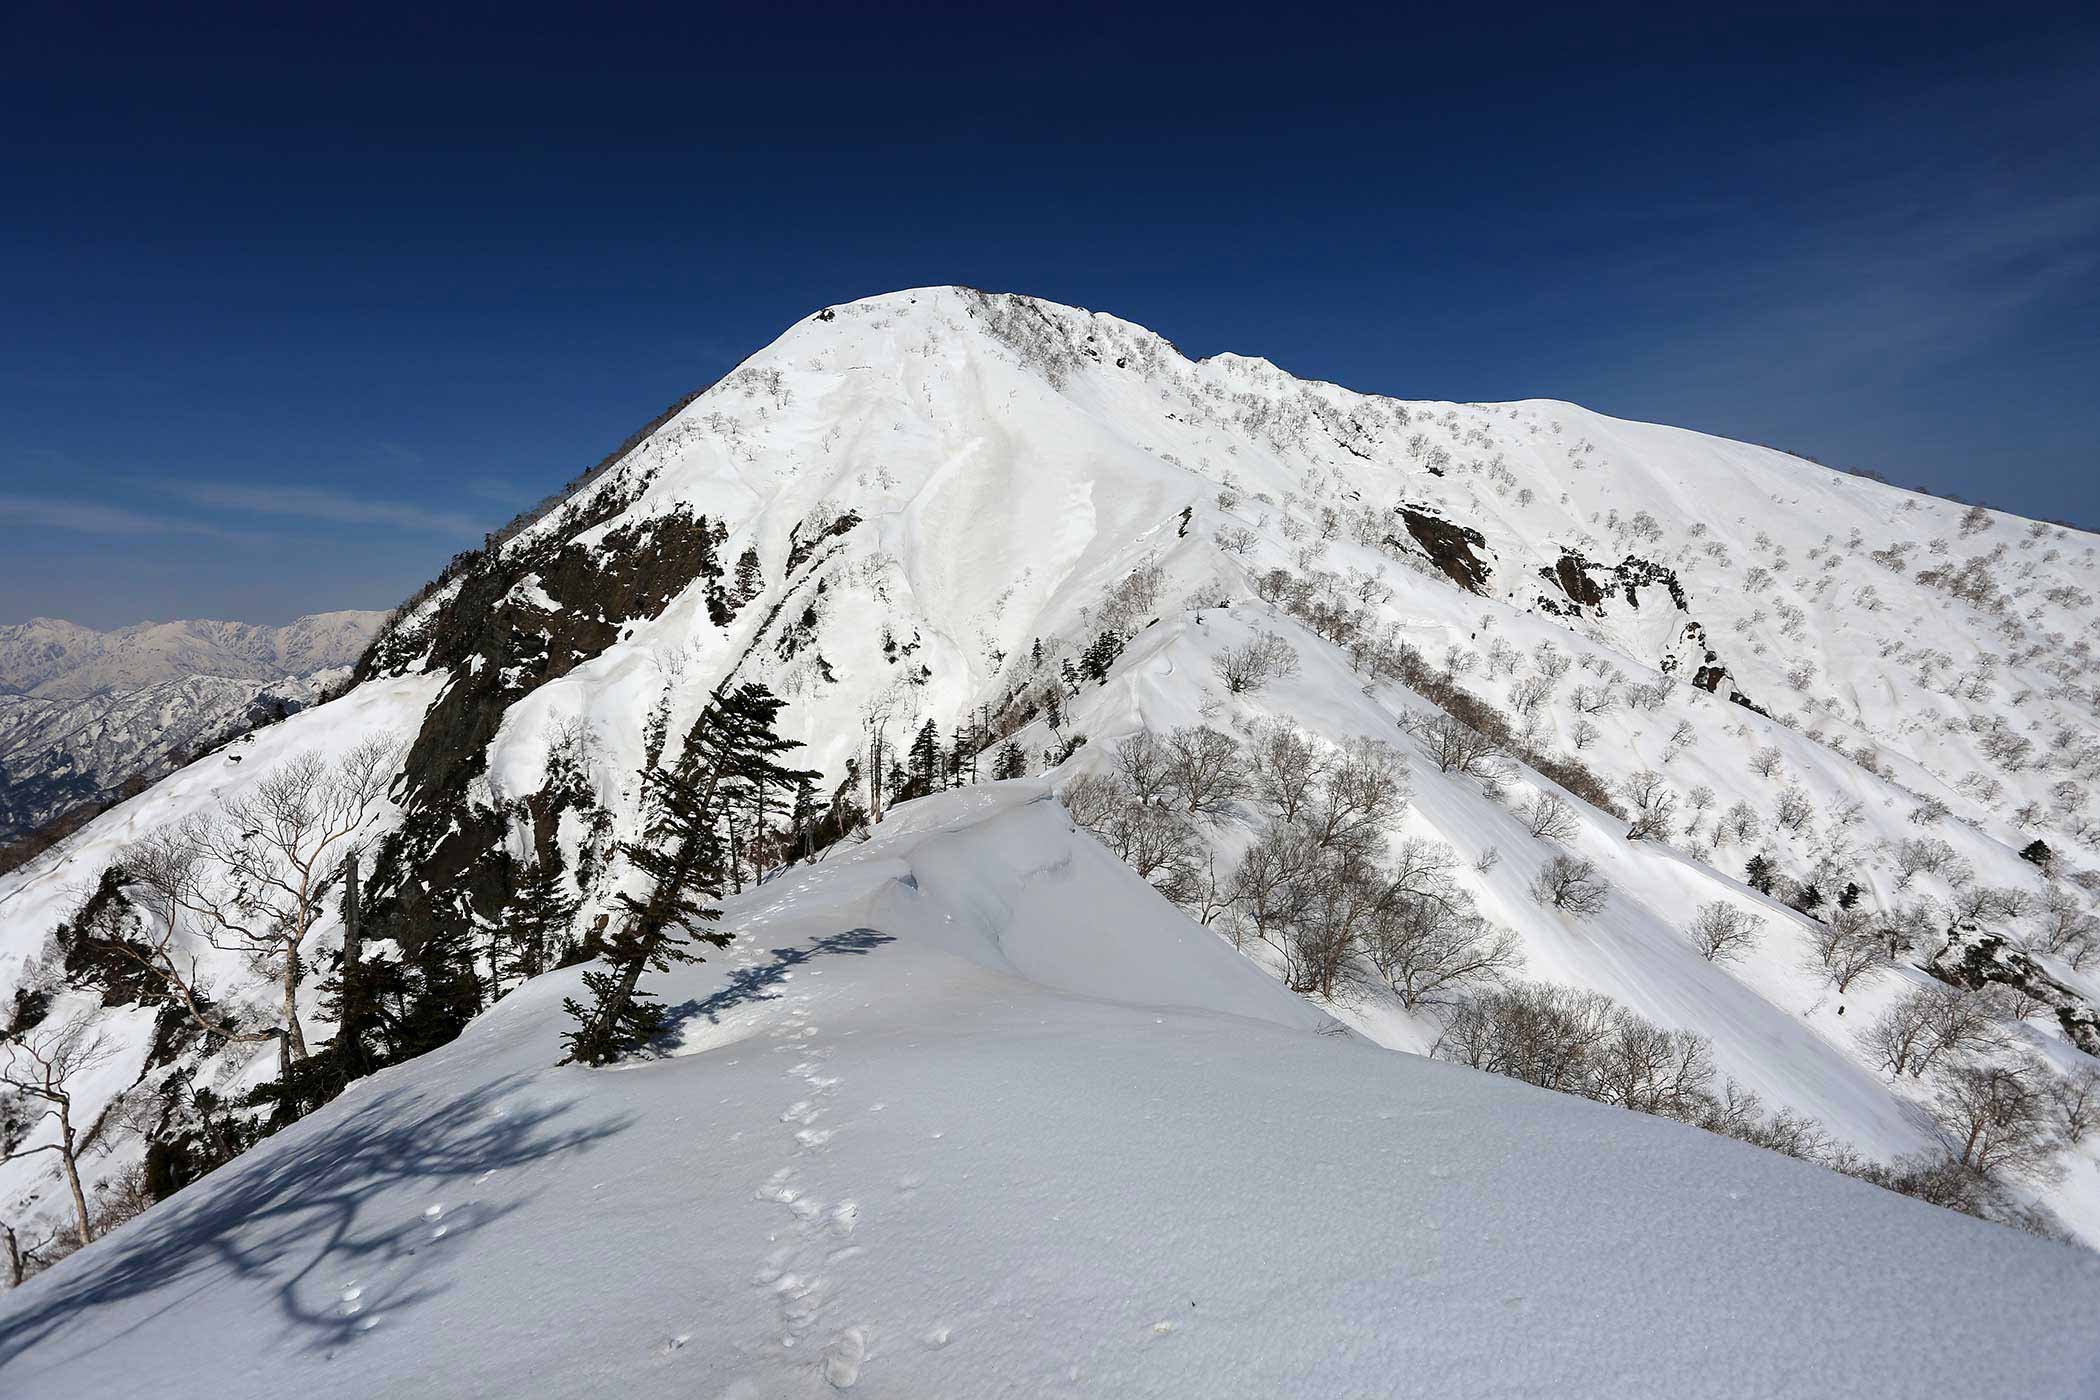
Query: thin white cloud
(317,503)
(94,518)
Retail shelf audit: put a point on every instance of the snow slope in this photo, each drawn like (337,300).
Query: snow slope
(970,1111)
(934,482)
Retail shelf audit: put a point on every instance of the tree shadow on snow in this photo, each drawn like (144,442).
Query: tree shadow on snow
(302,1217)
(752,983)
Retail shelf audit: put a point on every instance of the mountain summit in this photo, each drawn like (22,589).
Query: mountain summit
(1657,769)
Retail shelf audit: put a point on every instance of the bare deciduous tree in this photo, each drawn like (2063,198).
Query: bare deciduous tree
(1740,823)
(254,880)
(1253,664)
(1452,744)
(2064,927)
(1996,1118)
(1288,768)
(1364,796)
(1548,817)
(36,1074)
(1572,884)
(1142,761)
(1931,1022)
(1641,1066)
(1653,802)
(1850,946)
(1991,903)
(1794,808)
(1269,883)
(1206,769)
(1723,932)
(2076,1098)
(1528,695)
(1428,944)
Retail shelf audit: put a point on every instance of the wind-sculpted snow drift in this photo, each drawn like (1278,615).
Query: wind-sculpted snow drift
(970,1109)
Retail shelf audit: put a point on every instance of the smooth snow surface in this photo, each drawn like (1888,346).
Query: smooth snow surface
(969,1111)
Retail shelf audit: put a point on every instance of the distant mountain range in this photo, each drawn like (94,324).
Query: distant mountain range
(84,711)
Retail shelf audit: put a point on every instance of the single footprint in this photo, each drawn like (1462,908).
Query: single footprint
(843,1358)
(936,1339)
(844,1216)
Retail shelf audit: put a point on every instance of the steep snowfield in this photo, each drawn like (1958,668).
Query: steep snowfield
(969,1111)
(932,482)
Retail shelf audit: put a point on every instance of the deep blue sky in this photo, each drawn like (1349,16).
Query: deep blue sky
(294,303)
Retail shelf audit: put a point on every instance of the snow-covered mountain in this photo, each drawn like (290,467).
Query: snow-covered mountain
(1045,527)
(59,660)
(82,712)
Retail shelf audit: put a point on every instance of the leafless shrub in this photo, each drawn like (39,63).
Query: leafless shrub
(1572,884)
(1452,744)
(1253,664)
(1848,947)
(1991,903)
(1740,823)
(1548,817)
(1723,932)
(1653,803)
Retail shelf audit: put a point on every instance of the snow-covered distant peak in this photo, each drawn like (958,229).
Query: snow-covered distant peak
(58,660)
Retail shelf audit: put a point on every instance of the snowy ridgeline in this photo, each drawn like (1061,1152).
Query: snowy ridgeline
(969,1111)
(1043,531)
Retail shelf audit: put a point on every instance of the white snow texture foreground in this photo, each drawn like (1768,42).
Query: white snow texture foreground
(973,1112)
